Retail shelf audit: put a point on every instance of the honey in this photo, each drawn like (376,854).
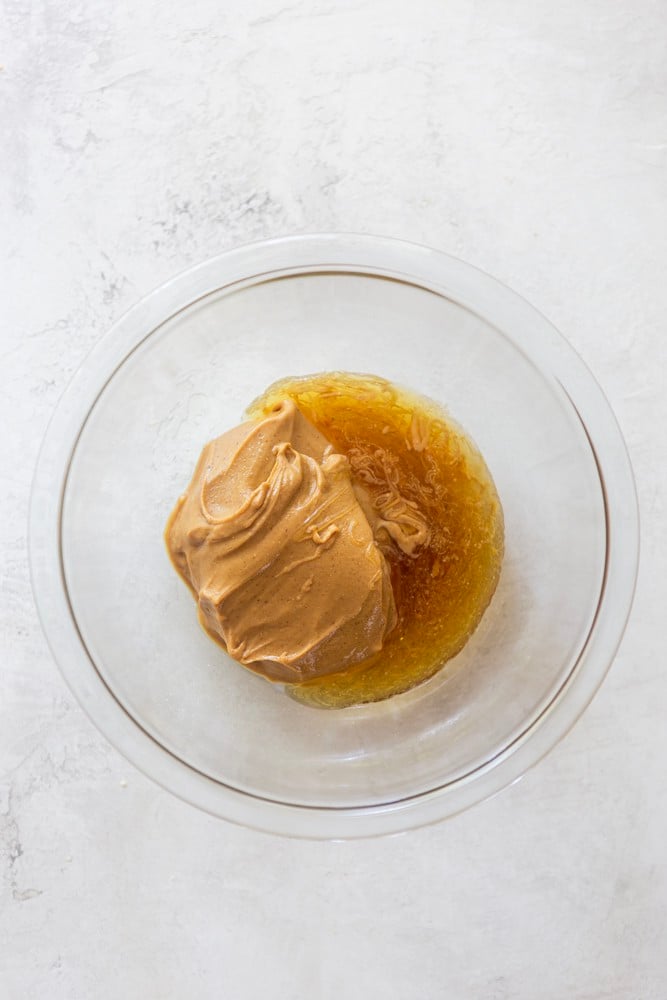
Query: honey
(396,439)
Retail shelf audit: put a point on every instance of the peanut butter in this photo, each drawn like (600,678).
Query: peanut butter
(284,555)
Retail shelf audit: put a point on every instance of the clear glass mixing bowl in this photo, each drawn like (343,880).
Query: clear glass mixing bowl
(180,368)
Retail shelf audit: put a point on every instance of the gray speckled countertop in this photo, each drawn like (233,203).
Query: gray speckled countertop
(529,138)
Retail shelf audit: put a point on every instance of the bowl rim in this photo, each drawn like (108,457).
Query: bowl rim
(432,270)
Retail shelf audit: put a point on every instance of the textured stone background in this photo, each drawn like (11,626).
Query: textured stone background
(527,137)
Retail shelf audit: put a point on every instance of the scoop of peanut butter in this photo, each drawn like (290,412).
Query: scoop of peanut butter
(280,550)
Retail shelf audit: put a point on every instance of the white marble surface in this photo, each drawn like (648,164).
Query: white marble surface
(525,136)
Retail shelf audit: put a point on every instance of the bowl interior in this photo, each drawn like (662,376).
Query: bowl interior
(190,379)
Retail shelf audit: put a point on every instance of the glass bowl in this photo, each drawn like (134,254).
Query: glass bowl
(179,369)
